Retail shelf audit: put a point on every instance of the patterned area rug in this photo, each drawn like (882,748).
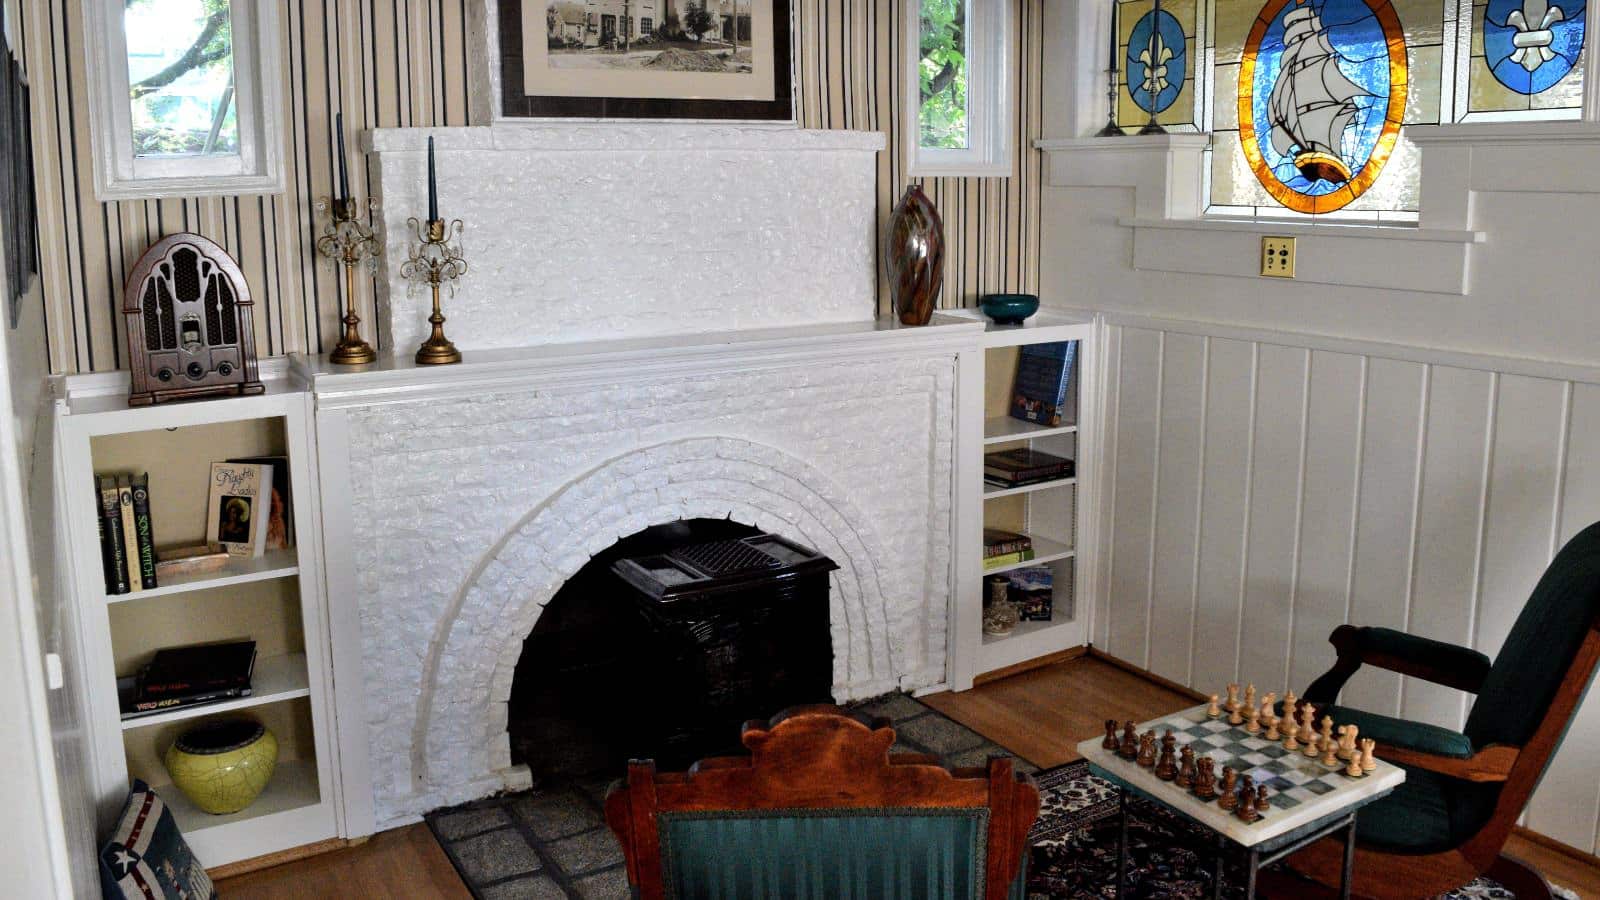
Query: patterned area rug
(1075,847)
(552,842)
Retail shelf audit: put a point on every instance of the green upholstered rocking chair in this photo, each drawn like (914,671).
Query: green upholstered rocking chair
(1448,823)
(821,808)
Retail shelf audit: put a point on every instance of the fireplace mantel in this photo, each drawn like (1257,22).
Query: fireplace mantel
(397,377)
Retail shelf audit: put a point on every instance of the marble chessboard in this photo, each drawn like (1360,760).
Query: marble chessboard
(1302,789)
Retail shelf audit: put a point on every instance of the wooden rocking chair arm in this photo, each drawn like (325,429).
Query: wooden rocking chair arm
(1456,667)
(1492,763)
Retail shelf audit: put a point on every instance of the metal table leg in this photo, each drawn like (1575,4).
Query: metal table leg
(1122,841)
(1347,876)
(1252,868)
(1216,874)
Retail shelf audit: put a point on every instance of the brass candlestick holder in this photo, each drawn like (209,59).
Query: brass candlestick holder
(435,260)
(347,241)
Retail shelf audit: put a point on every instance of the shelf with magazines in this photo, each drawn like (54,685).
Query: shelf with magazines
(1023,471)
(192,526)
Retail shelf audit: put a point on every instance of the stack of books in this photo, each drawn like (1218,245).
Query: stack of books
(189,676)
(1023,466)
(127,543)
(1004,548)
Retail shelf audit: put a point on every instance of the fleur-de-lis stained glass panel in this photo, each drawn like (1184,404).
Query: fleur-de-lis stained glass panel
(1157,64)
(1526,59)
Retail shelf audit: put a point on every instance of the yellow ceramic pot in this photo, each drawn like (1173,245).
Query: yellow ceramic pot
(222,766)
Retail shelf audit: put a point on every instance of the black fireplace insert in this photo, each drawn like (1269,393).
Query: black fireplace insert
(663,645)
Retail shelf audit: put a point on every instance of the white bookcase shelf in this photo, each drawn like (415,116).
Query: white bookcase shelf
(1050,513)
(239,570)
(1009,430)
(991,491)
(278,600)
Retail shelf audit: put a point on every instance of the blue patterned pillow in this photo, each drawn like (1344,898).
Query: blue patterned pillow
(146,858)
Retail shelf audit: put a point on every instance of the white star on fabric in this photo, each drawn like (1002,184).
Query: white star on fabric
(126,860)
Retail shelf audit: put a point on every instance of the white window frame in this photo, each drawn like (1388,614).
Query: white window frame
(259,166)
(991,108)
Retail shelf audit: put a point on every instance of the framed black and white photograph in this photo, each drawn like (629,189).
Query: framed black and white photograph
(650,59)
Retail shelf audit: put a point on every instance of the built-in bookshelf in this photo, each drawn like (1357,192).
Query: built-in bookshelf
(1048,512)
(276,600)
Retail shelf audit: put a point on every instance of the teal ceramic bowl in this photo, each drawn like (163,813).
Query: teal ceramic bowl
(1009,309)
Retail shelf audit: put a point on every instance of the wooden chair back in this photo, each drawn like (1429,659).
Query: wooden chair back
(1534,756)
(821,758)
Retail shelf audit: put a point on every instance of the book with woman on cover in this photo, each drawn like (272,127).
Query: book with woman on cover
(239,510)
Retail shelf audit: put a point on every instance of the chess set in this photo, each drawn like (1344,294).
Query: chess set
(1246,758)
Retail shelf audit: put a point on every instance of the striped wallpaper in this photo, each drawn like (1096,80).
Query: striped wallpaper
(403,63)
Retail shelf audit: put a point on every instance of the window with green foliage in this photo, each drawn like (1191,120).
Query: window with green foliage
(185,97)
(957,87)
(943,74)
(180,77)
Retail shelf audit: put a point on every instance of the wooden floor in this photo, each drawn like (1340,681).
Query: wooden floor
(1041,715)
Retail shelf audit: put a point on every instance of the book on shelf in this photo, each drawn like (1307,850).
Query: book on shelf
(998,542)
(130,532)
(145,546)
(1033,590)
(133,708)
(127,538)
(238,509)
(1024,465)
(195,669)
(1007,559)
(1039,389)
(112,554)
(280,513)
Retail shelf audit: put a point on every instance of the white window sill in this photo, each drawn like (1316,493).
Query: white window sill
(1385,231)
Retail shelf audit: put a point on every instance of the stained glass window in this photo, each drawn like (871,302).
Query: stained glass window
(1156,53)
(1308,101)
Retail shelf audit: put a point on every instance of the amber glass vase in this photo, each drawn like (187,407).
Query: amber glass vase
(914,251)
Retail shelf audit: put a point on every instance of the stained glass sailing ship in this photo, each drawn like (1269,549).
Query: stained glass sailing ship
(1321,89)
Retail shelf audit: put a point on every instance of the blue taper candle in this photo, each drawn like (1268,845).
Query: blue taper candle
(433,186)
(344,175)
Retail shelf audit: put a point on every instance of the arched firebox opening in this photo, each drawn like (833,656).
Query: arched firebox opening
(664,643)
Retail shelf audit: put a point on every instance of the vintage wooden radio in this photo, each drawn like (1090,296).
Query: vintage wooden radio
(189,330)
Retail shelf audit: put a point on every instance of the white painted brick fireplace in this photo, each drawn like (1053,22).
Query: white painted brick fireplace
(457,500)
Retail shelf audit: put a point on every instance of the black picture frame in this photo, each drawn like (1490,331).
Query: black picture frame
(516,104)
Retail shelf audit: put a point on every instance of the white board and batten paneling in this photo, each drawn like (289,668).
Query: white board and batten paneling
(1265,489)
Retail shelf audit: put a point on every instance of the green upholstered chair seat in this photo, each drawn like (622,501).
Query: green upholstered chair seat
(896,854)
(1428,813)
(1391,732)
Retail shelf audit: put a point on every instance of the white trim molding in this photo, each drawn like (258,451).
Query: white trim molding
(991,112)
(258,167)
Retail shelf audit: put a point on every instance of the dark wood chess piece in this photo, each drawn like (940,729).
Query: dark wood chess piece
(1147,749)
(1110,742)
(1130,742)
(1228,799)
(1246,810)
(1167,766)
(1205,779)
(1261,799)
(1186,769)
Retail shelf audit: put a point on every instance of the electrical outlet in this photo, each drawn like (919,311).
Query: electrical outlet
(1277,257)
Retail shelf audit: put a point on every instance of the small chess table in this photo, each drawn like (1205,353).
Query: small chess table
(1308,800)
